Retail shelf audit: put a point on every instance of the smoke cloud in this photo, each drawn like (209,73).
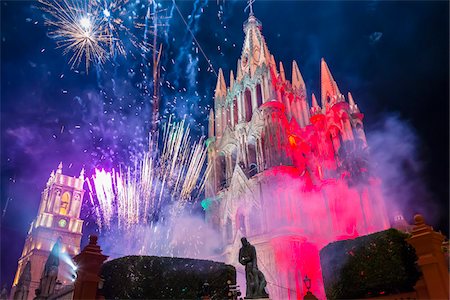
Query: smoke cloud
(394,154)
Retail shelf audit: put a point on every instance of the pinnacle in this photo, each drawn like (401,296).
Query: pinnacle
(282,73)
(231,79)
(221,86)
(328,85)
(297,78)
(314,101)
(350,99)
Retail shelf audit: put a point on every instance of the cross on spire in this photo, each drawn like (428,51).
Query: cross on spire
(250,6)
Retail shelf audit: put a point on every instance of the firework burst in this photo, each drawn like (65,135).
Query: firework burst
(79,28)
(94,31)
(139,195)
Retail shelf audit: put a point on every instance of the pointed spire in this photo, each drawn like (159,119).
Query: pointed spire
(315,108)
(211,123)
(314,101)
(239,70)
(297,78)
(350,99)
(351,102)
(81,174)
(221,88)
(231,79)
(273,64)
(329,87)
(59,171)
(282,73)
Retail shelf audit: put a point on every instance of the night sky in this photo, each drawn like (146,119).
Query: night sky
(392,56)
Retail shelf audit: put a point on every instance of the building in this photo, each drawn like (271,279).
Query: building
(289,175)
(58,219)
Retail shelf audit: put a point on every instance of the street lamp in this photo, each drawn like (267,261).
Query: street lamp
(309,295)
(307,282)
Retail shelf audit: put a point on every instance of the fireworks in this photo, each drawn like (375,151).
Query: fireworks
(80,29)
(93,30)
(139,195)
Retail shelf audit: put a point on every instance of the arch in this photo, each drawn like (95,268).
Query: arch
(235,111)
(259,98)
(65,204)
(248,105)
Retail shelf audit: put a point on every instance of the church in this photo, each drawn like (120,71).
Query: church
(53,239)
(288,172)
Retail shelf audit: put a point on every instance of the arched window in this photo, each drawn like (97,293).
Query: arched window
(259,99)
(248,105)
(235,111)
(65,204)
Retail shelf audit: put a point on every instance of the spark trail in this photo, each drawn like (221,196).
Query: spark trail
(139,195)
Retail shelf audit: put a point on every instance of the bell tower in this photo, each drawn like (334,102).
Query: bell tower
(58,219)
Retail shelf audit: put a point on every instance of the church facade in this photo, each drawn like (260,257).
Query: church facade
(57,228)
(287,173)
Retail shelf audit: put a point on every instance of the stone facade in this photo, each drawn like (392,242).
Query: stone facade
(288,175)
(58,216)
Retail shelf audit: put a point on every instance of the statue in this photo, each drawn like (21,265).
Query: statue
(50,273)
(255,279)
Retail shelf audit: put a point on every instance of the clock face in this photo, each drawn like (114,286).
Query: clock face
(62,223)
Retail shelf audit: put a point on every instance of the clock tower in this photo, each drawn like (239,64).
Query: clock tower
(58,218)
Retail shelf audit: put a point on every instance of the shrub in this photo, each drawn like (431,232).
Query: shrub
(151,277)
(378,264)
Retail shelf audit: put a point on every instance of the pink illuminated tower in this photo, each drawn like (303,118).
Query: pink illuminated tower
(58,217)
(289,175)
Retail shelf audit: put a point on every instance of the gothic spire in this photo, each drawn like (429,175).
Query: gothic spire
(314,101)
(315,108)
(231,79)
(297,78)
(221,88)
(282,73)
(329,87)
(238,71)
(254,50)
(351,102)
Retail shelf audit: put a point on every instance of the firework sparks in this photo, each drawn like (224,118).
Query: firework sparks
(79,29)
(137,196)
(94,31)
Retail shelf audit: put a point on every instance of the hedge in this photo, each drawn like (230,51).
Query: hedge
(151,277)
(378,264)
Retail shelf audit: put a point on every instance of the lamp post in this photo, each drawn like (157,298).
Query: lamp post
(309,295)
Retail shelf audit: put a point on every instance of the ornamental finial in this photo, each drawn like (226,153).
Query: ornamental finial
(59,171)
(250,6)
